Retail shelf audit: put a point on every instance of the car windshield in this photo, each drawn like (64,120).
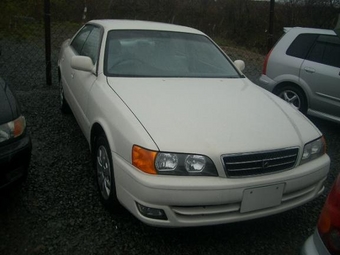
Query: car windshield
(144,53)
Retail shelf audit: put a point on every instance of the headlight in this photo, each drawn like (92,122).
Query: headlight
(167,163)
(313,150)
(12,129)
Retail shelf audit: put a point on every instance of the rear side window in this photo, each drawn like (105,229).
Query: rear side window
(326,51)
(301,45)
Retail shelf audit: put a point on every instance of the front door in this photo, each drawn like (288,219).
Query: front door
(79,83)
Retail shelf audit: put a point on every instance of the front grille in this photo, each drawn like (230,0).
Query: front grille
(239,165)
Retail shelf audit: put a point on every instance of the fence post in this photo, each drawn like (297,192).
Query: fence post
(47,23)
(271,25)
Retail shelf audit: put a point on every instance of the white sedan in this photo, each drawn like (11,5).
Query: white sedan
(179,136)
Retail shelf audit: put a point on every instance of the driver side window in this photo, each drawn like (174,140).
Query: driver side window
(87,42)
(79,40)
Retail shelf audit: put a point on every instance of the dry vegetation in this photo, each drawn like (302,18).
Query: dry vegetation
(243,22)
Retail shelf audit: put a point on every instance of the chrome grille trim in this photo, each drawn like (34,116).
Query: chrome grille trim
(235,163)
(253,168)
(258,163)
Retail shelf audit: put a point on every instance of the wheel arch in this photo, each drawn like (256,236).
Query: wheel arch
(293,84)
(96,130)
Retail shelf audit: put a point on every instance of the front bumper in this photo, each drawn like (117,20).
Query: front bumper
(14,160)
(198,201)
(314,246)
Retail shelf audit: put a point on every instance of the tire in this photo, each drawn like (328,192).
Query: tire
(64,107)
(104,174)
(294,96)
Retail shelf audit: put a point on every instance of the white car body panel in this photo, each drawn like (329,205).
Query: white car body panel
(77,87)
(209,126)
(121,127)
(208,116)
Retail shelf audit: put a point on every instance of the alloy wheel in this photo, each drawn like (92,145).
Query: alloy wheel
(292,98)
(103,172)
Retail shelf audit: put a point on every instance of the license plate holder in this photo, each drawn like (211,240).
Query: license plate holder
(261,197)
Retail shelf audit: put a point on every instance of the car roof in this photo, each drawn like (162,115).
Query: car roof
(309,30)
(116,24)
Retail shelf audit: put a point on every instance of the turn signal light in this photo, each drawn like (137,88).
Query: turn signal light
(144,159)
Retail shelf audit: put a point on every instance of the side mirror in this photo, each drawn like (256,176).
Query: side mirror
(82,63)
(240,64)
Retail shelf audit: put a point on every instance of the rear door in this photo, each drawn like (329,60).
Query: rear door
(321,71)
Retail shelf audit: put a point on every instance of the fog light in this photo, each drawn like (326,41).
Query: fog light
(152,213)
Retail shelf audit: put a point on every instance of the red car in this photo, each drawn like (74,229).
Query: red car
(326,238)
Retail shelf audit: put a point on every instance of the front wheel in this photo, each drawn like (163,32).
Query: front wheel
(294,96)
(105,174)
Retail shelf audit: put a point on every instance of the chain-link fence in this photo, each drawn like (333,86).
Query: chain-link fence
(22,50)
(23,44)
(239,26)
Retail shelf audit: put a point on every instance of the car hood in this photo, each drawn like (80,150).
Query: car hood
(220,115)
(8,110)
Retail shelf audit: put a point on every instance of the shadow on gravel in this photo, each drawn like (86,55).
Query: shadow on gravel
(9,198)
(325,124)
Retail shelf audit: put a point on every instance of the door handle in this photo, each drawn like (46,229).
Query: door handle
(309,70)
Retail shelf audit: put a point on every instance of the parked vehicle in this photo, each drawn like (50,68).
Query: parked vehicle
(303,68)
(179,136)
(15,143)
(326,238)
